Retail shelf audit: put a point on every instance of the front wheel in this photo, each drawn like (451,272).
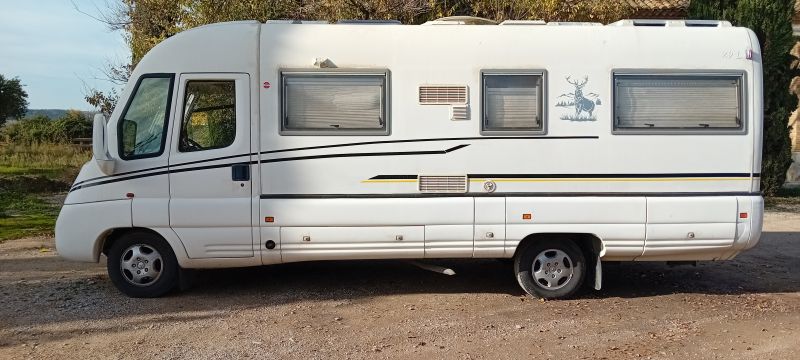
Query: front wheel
(550,269)
(141,264)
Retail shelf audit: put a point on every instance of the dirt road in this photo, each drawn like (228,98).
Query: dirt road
(747,308)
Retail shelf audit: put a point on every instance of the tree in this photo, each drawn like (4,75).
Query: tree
(13,99)
(771,20)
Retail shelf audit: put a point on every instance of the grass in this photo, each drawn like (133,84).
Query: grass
(29,177)
(50,160)
(24,215)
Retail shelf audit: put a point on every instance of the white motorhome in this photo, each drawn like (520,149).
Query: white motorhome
(558,145)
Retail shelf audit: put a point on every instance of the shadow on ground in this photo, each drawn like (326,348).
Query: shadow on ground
(772,267)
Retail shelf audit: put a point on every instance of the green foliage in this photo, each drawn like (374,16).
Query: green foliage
(13,99)
(29,176)
(40,129)
(103,102)
(25,215)
(712,9)
(771,20)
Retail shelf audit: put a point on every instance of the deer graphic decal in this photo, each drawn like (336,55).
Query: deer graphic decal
(584,104)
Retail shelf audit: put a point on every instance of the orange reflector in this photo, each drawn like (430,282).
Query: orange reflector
(742,215)
(269,219)
(527,216)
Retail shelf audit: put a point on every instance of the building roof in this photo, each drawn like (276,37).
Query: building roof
(659,9)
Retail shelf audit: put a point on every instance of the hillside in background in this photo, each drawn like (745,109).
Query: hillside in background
(55,113)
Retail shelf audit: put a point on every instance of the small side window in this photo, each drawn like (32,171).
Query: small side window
(329,103)
(142,131)
(678,103)
(513,103)
(209,115)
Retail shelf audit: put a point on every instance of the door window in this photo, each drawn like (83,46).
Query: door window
(209,115)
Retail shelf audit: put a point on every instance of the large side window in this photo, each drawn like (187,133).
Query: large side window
(142,131)
(678,103)
(331,103)
(209,115)
(513,102)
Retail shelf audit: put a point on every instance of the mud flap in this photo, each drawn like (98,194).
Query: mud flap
(598,274)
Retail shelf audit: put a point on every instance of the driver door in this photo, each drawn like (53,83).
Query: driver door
(210,166)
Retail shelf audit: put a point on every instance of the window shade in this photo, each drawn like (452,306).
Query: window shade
(512,102)
(331,102)
(677,102)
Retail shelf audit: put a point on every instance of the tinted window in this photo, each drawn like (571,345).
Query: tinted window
(334,103)
(143,124)
(512,102)
(682,102)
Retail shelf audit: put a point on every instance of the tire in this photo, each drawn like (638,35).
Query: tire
(561,279)
(142,265)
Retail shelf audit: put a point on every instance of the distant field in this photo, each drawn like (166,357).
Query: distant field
(31,179)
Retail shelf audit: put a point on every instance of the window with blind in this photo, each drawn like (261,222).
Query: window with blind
(334,103)
(513,102)
(678,102)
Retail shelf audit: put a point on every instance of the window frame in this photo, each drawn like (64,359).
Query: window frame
(167,113)
(183,113)
(543,101)
(740,75)
(385,98)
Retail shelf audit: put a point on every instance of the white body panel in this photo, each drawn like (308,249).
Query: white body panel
(654,196)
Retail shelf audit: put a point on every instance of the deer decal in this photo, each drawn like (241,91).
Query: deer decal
(583,103)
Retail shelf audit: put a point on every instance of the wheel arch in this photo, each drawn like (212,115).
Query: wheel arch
(107,239)
(590,244)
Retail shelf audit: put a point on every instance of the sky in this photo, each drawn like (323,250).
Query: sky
(54,49)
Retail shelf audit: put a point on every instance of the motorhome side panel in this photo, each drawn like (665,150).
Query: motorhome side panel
(576,155)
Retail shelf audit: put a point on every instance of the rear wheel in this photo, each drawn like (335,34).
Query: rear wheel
(550,269)
(142,264)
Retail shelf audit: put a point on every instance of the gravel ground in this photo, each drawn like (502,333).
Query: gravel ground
(747,308)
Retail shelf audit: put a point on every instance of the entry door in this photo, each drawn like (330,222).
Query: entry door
(210,166)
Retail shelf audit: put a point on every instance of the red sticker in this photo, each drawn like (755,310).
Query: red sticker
(267,85)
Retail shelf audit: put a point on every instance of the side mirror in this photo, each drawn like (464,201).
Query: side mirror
(100,145)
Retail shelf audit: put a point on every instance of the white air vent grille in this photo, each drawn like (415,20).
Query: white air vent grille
(442,94)
(459,112)
(442,184)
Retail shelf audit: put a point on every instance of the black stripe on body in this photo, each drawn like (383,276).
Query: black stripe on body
(508,194)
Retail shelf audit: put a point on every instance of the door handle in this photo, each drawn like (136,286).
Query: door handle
(240,172)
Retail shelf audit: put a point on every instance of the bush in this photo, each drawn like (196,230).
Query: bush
(40,129)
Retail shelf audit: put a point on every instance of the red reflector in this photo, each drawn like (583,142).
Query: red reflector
(269,219)
(742,215)
(129,195)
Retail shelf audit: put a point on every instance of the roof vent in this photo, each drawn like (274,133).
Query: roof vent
(523,22)
(649,23)
(297,22)
(369,22)
(573,23)
(442,94)
(671,23)
(442,184)
(461,20)
(706,23)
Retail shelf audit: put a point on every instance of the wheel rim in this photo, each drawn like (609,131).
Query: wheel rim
(141,265)
(552,269)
